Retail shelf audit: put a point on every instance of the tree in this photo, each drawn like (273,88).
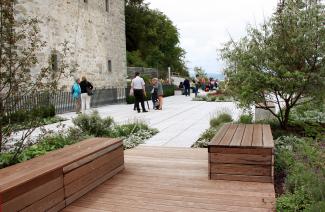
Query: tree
(200,71)
(20,44)
(282,61)
(151,39)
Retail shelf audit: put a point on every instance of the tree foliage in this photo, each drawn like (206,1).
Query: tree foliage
(200,71)
(151,39)
(20,45)
(282,61)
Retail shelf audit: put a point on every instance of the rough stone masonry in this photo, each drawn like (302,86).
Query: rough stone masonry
(94,30)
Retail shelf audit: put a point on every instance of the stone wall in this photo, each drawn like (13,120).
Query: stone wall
(93,34)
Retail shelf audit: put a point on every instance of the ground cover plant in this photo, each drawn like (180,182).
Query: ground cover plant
(215,124)
(300,174)
(86,126)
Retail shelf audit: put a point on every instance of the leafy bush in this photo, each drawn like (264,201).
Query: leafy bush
(302,161)
(93,124)
(246,119)
(138,138)
(22,116)
(88,126)
(128,129)
(169,90)
(46,144)
(222,118)
(205,138)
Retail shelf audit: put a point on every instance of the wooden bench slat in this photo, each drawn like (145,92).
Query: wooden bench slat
(24,172)
(257,135)
(221,133)
(267,136)
(244,178)
(48,202)
(34,195)
(30,185)
(241,169)
(241,158)
(241,150)
(83,181)
(248,135)
(93,165)
(228,136)
(238,136)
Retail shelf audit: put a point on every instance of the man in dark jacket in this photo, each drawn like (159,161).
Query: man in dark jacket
(187,88)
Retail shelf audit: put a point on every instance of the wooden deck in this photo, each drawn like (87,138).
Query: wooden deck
(173,179)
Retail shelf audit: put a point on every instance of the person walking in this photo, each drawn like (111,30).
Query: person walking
(187,87)
(86,93)
(138,87)
(76,94)
(160,92)
(196,81)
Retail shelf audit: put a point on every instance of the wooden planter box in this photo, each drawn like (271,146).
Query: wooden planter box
(55,180)
(242,152)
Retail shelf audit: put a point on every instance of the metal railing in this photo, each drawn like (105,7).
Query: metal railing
(62,100)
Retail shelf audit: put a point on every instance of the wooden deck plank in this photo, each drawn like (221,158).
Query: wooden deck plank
(267,137)
(248,135)
(238,136)
(257,135)
(228,136)
(168,179)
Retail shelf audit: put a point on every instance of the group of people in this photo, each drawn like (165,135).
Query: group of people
(195,85)
(139,92)
(81,94)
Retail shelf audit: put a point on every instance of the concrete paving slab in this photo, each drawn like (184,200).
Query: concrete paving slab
(180,123)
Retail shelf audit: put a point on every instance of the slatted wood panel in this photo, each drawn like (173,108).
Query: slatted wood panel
(242,152)
(56,179)
(173,179)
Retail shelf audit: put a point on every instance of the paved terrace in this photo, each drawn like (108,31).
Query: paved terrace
(180,123)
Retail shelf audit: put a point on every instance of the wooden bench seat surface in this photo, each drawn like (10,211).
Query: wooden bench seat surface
(42,165)
(244,135)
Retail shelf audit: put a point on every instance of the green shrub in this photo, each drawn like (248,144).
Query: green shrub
(21,116)
(128,129)
(138,137)
(246,119)
(221,98)
(302,161)
(93,124)
(169,90)
(222,118)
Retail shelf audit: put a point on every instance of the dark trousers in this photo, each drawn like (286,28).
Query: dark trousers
(139,97)
(187,91)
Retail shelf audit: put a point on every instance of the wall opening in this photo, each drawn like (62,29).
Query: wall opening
(109,66)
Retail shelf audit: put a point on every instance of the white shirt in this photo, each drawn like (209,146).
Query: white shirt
(137,83)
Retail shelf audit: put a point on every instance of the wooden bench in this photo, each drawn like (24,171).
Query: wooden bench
(242,152)
(53,181)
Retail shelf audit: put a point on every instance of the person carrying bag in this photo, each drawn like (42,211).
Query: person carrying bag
(86,93)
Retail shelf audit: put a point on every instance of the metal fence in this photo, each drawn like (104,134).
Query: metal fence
(149,72)
(62,100)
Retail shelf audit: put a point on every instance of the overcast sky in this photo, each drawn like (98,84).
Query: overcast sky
(205,25)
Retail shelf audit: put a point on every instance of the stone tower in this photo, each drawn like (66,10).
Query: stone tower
(94,30)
